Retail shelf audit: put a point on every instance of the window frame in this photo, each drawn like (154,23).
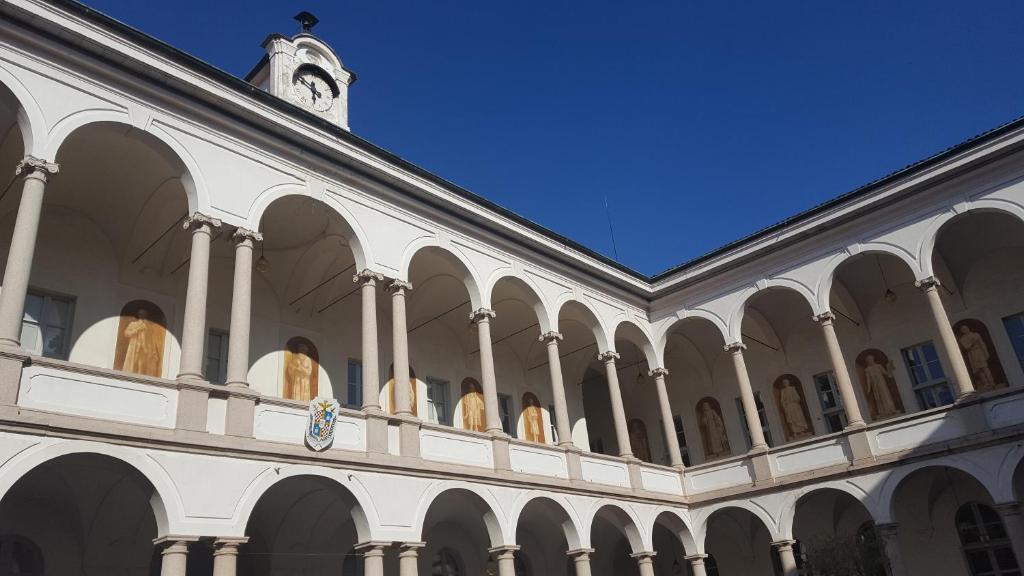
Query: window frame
(48,296)
(1016,339)
(505,411)
(762,416)
(222,361)
(432,401)
(838,410)
(933,385)
(354,387)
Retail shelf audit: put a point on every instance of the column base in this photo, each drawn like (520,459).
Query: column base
(574,465)
(241,411)
(12,362)
(502,456)
(193,401)
(860,444)
(636,480)
(409,437)
(376,432)
(762,466)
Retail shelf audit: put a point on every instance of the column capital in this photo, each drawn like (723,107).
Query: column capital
(199,220)
(735,347)
(783,543)
(241,235)
(31,165)
(372,548)
(608,356)
(826,317)
(228,546)
(410,549)
(395,286)
(695,558)
(658,372)
(1005,509)
(928,283)
(580,552)
(503,550)
(645,554)
(367,276)
(887,529)
(174,541)
(481,313)
(550,336)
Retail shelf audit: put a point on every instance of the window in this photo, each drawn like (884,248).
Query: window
(505,413)
(684,452)
(46,325)
(217,356)
(437,401)
(354,397)
(984,542)
(446,563)
(927,376)
(831,402)
(1015,330)
(761,415)
(551,425)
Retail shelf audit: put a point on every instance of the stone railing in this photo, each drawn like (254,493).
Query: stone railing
(45,386)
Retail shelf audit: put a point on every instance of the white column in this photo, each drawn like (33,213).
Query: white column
(241,308)
(408,564)
(550,340)
(193,333)
(1013,522)
(747,397)
(23,247)
(835,354)
(784,548)
(645,562)
(367,281)
(618,412)
(960,376)
(887,534)
(482,319)
(400,347)
(505,557)
(173,558)
(581,560)
(225,555)
(675,457)
(697,564)
(373,557)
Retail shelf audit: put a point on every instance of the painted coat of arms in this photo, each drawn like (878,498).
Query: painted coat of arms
(323,415)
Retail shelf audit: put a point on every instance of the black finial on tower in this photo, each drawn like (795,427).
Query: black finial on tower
(306,20)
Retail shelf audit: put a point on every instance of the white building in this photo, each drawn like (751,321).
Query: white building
(180,247)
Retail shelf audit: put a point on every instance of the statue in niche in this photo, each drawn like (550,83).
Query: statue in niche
(879,383)
(789,397)
(638,439)
(980,355)
(712,429)
(301,369)
(412,390)
(533,418)
(140,339)
(473,409)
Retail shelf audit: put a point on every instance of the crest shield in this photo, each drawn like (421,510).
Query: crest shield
(323,414)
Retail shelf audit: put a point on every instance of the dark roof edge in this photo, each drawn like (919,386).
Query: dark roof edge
(283,107)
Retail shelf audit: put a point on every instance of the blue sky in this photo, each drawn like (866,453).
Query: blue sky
(700,122)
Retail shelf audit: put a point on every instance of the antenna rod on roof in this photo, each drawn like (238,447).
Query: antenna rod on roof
(611,230)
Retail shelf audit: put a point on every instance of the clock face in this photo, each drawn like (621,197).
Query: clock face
(312,90)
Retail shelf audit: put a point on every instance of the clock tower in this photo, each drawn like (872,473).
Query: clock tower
(305,71)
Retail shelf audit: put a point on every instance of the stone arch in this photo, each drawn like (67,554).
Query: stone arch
(1010,479)
(31,121)
(888,491)
(756,510)
(632,332)
(680,526)
(828,275)
(926,251)
(190,174)
(530,290)
(355,234)
(480,498)
(624,519)
(787,511)
(559,507)
(750,294)
(589,317)
(465,268)
(364,514)
(168,508)
(698,315)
